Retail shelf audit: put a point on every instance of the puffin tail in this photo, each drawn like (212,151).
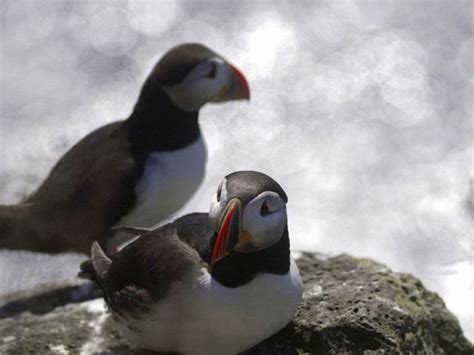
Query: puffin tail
(95,269)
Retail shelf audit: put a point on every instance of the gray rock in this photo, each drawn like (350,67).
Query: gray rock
(45,297)
(355,306)
(351,306)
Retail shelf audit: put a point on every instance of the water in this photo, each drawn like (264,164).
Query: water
(361,110)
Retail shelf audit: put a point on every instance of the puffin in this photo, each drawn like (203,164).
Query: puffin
(207,283)
(136,171)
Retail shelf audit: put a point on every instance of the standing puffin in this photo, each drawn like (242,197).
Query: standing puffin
(216,283)
(137,171)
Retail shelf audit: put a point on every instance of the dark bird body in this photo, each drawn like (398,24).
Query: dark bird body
(174,289)
(138,171)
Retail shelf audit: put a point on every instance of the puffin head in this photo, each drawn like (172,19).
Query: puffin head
(248,212)
(193,75)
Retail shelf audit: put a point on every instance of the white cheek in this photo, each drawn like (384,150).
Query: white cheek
(196,90)
(265,230)
(223,77)
(201,90)
(190,97)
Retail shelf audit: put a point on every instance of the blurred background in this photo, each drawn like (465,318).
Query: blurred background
(362,110)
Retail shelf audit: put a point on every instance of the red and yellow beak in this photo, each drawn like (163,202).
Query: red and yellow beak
(229,231)
(242,90)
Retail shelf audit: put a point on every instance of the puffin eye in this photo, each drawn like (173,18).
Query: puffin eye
(211,74)
(264,210)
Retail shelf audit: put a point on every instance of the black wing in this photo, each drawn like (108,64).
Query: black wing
(141,274)
(196,230)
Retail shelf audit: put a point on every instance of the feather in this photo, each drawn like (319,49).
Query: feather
(132,230)
(100,261)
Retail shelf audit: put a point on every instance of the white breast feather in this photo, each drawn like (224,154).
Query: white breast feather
(203,317)
(168,181)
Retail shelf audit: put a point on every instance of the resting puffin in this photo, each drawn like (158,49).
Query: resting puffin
(137,171)
(216,283)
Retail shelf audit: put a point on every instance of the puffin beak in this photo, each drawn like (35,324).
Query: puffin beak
(242,90)
(229,231)
(238,89)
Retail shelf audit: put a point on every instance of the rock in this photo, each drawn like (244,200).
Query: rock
(72,329)
(351,306)
(360,306)
(45,297)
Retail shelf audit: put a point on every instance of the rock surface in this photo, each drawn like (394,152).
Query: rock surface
(351,306)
